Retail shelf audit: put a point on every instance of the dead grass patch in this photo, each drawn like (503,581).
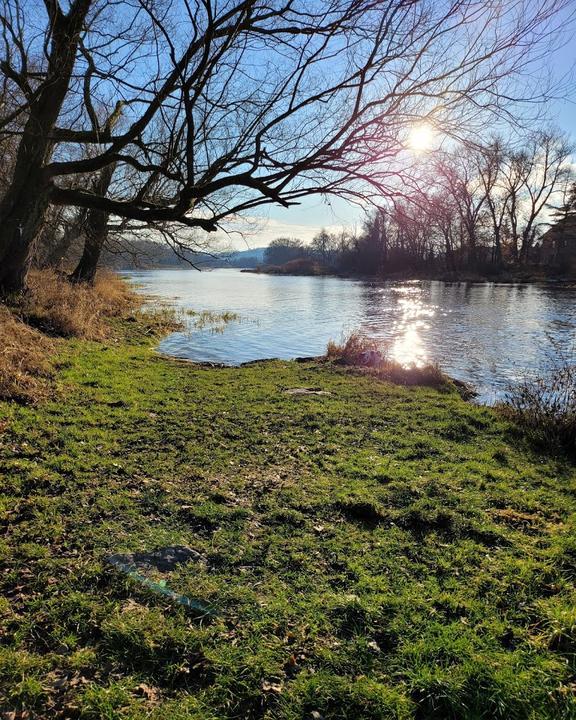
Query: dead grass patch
(58,307)
(24,360)
(54,307)
(355,349)
(517,520)
(371,357)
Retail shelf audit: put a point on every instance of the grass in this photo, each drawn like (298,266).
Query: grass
(379,551)
(209,320)
(58,307)
(24,366)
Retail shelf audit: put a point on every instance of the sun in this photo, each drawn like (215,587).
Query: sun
(421,137)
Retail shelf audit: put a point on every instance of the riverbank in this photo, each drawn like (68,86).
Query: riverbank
(505,276)
(366,550)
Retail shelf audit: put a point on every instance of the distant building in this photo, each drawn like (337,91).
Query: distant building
(558,244)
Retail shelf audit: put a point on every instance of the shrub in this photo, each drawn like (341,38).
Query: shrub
(302,266)
(357,350)
(544,406)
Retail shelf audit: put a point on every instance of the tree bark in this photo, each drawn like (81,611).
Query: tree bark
(95,237)
(95,233)
(23,208)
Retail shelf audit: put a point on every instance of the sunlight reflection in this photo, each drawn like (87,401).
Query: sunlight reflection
(408,348)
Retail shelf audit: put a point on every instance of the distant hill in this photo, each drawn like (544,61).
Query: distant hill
(245,258)
(142,254)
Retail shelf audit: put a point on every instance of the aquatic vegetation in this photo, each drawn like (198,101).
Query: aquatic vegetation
(213,321)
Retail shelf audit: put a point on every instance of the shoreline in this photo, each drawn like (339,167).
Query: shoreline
(466,390)
(470,278)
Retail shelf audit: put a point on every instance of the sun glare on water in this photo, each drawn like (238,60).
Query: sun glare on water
(421,138)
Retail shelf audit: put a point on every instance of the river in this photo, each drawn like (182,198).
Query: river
(487,334)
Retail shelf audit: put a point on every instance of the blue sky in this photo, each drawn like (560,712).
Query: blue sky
(305,220)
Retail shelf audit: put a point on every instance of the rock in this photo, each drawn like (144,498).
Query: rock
(371,358)
(163,559)
(306,391)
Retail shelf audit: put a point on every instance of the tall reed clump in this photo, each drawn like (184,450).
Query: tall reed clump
(24,360)
(58,307)
(358,351)
(544,406)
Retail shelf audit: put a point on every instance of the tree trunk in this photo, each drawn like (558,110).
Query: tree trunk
(23,208)
(18,230)
(94,242)
(497,249)
(527,241)
(70,234)
(95,233)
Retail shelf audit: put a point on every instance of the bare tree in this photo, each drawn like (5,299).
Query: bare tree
(231,105)
(442,212)
(543,168)
(491,161)
(519,183)
(465,186)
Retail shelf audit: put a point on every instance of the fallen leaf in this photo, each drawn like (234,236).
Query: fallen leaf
(151,694)
(275,687)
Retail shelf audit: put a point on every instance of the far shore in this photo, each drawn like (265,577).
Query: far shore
(504,276)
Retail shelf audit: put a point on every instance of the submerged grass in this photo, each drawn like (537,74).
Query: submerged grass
(214,321)
(375,551)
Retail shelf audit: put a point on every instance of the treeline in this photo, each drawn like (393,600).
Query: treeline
(483,209)
(476,209)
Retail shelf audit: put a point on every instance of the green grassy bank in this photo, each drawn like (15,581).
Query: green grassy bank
(375,552)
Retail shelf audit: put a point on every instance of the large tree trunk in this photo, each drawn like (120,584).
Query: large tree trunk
(95,233)
(24,205)
(95,237)
(19,226)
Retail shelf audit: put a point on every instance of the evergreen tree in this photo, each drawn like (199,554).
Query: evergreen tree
(568,207)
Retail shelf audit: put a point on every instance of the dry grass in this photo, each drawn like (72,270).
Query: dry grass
(58,307)
(368,354)
(51,307)
(24,360)
(356,349)
(544,406)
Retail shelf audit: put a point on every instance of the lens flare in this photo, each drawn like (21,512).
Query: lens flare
(421,137)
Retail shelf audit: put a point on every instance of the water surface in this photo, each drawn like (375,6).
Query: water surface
(488,334)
